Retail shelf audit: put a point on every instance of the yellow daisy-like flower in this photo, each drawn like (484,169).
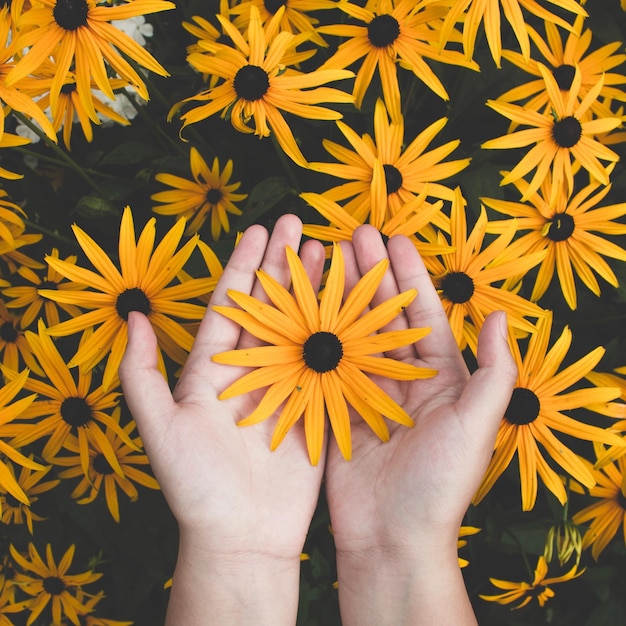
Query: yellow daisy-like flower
(209,193)
(295,16)
(412,219)
(101,476)
(384,174)
(51,585)
(465,277)
(394,32)
(319,354)
(9,605)
(9,411)
(28,296)
(563,58)
(256,86)
(539,589)
(88,618)
(79,35)
(567,230)
(143,283)
(559,135)
(16,512)
(475,12)
(537,408)
(608,512)
(14,348)
(64,406)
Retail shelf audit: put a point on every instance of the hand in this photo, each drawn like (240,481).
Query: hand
(239,506)
(398,506)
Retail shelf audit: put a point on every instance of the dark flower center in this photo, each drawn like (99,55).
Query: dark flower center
(561,227)
(70,14)
(251,82)
(272,6)
(322,352)
(564,75)
(101,465)
(383,30)
(8,332)
(132,300)
(567,132)
(53,585)
(457,287)
(68,88)
(213,196)
(76,412)
(393,178)
(523,407)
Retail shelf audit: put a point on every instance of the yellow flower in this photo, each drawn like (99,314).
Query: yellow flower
(256,85)
(560,135)
(9,411)
(473,12)
(16,512)
(464,531)
(465,277)
(569,230)
(525,592)
(537,408)
(394,32)
(143,283)
(384,174)
(29,297)
(78,34)
(207,194)
(64,406)
(562,58)
(607,514)
(51,585)
(319,354)
(101,476)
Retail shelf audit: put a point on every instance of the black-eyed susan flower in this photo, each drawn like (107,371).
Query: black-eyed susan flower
(79,36)
(383,173)
(468,278)
(562,58)
(538,407)
(564,541)
(88,617)
(607,514)
(14,348)
(50,585)
(27,296)
(296,16)
(257,85)
(412,219)
(210,193)
(31,482)
(8,605)
(10,409)
(562,137)
(472,13)
(539,589)
(570,229)
(392,33)
(146,282)
(101,477)
(320,353)
(66,406)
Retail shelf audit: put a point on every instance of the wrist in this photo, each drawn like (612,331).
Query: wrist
(225,584)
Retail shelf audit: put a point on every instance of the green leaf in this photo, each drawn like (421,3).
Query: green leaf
(96,207)
(130,153)
(263,198)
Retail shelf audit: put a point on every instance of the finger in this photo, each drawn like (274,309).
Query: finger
(426,309)
(369,250)
(313,256)
(488,392)
(145,389)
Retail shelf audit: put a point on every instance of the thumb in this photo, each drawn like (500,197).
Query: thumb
(488,392)
(146,391)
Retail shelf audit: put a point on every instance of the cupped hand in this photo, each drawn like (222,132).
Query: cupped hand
(220,480)
(415,489)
